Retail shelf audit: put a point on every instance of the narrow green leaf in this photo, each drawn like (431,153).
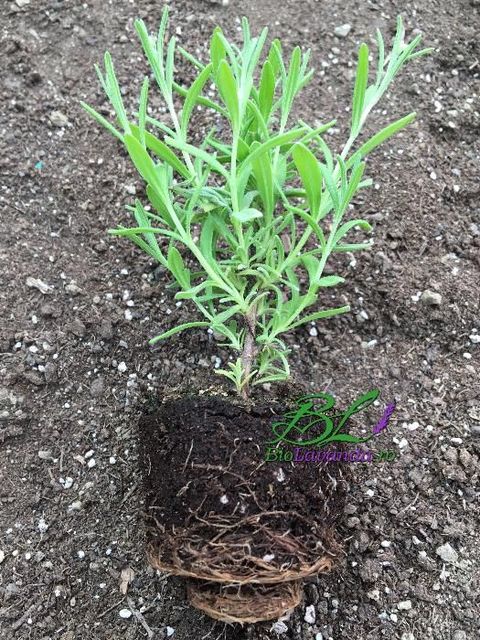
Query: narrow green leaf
(276,141)
(361,82)
(227,87)
(177,267)
(103,121)
(310,173)
(329,281)
(208,158)
(380,137)
(348,226)
(245,215)
(266,89)
(193,93)
(143,162)
(217,49)
(327,313)
(342,248)
(161,150)
(142,112)
(177,329)
(262,172)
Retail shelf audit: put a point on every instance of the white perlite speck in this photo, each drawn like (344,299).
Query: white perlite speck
(447,553)
(279,627)
(343,30)
(310,614)
(125,613)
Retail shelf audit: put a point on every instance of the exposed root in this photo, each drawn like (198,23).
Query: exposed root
(244,604)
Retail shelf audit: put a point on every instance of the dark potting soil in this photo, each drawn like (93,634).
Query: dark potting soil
(204,457)
(75,369)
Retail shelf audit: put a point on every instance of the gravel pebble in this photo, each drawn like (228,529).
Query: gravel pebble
(310,614)
(343,30)
(447,553)
(431,298)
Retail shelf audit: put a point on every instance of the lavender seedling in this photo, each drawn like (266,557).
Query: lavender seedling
(257,212)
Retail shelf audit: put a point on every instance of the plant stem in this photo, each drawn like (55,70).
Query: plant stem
(249,351)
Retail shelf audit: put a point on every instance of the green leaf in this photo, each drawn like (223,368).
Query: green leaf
(177,329)
(142,112)
(217,49)
(245,215)
(329,281)
(144,164)
(309,169)
(266,89)
(208,158)
(342,248)
(276,141)
(161,150)
(228,89)
(351,224)
(177,267)
(291,84)
(193,93)
(103,121)
(327,313)
(380,137)
(262,172)
(361,82)
(275,58)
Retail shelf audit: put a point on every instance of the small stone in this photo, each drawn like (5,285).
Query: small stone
(122,367)
(97,388)
(77,328)
(75,506)
(130,189)
(68,484)
(36,283)
(58,119)
(343,30)
(73,288)
(310,614)
(45,454)
(405,605)
(431,298)
(386,544)
(170,631)
(22,3)
(125,614)
(50,372)
(2,556)
(42,525)
(34,378)
(50,311)
(374,594)
(279,627)
(319,636)
(91,463)
(313,332)
(447,553)
(105,329)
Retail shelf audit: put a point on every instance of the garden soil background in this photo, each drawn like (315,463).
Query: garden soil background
(76,370)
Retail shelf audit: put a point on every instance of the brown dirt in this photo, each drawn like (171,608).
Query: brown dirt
(75,371)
